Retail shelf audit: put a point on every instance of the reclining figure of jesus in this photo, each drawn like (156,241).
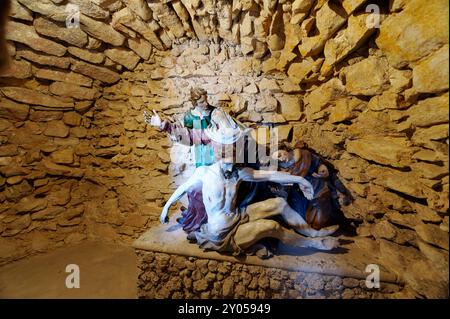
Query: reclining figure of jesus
(232,229)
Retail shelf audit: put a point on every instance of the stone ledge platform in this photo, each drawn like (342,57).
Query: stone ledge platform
(171,267)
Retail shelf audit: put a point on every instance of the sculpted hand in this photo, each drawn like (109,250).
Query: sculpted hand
(307,189)
(153,120)
(164,219)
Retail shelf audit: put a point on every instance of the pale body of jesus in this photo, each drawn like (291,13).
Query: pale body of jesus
(220,184)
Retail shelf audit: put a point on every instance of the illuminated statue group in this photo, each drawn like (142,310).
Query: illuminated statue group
(237,207)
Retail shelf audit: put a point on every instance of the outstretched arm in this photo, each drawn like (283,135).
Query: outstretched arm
(177,133)
(179,192)
(181,134)
(251,175)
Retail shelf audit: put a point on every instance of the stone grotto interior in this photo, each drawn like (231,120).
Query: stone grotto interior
(83,177)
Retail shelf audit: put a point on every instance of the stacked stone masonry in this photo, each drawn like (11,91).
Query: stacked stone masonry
(77,160)
(164,276)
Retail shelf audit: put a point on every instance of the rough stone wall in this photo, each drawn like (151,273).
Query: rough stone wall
(165,276)
(372,101)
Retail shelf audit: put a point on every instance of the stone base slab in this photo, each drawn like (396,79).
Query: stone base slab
(170,267)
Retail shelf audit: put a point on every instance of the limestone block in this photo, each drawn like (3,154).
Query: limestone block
(432,234)
(348,40)
(287,86)
(19,69)
(429,171)
(420,29)
(10,48)
(407,220)
(293,36)
(124,57)
(323,96)
(61,170)
(101,31)
(425,136)
(301,5)
(269,85)
(266,104)
(403,182)
(387,100)
(281,133)
(64,156)
(56,129)
(32,97)
(105,3)
(74,91)
(273,118)
(430,156)
(352,5)
(291,107)
(13,169)
(74,36)
(167,18)
(367,77)
(71,216)
(141,8)
(141,47)
(14,180)
(393,151)
(437,257)
(96,72)
(329,19)
(130,20)
(79,132)
(59,62)
(400,79)
(91,9)
(345,109)
(431,111)
(17,225)
(384,229)
(275,40)
(83,106)
(72,118)
(87,55)
(8,150)
(300,71)
(300,10)
(30,204)
(430,75)
(251,89)
(46,8)
(94,44)
(20,12)
(63,76)
(25,34)
(62,197)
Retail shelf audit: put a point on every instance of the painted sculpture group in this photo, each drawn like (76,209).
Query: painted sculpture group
(242,206)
